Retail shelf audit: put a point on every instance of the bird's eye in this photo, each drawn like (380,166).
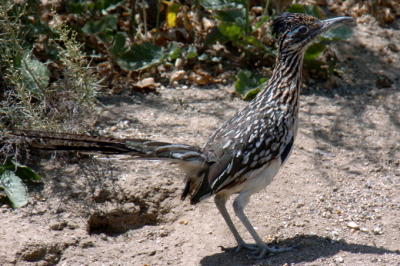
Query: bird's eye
(302,30)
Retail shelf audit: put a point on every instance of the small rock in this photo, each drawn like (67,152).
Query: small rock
(339,260)
(377,230)
(87,244)
(177,75)
(33,252)
(393,47)
(58,226)
(164,233)
(383,81)
(353,225)
(364,229)
(147,83)
(103,237)
(335,233)
(178,63)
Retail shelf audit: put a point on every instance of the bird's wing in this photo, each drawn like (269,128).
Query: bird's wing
(237,151)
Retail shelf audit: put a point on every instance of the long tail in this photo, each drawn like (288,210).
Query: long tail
(137,148)
(190,158)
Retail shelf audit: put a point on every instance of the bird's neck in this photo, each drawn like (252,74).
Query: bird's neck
(288,67)
(284,85)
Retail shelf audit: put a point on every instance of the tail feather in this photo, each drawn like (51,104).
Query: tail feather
(189,158)
(137,148)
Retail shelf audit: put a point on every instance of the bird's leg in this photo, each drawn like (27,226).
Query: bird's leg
(260,249)
(220,202)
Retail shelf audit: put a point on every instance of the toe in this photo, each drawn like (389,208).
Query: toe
(276,249)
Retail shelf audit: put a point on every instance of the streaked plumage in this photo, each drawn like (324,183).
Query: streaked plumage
(245,153)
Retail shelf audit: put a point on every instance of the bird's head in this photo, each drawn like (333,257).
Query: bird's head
(295,31)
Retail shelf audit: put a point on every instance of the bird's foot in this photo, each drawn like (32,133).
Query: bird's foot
(240,247)
(251,247)
(263,250)
(258,251)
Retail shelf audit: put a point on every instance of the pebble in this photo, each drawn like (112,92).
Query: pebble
(339,259)
(353,225)
(335,233)
(164,233)
(87,244)
(58,226)
(377,230)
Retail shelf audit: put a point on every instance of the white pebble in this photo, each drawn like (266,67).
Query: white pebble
(339,259)
(353,225)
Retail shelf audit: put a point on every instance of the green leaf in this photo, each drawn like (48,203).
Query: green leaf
(222,4)
(231,31)
(14,188)
(26,172)
(175,51)
(104,24)
(106,4)
(251,94)
(233,15)
(261,22)
(35,73)
(20,170)
(140,56)
(215,36)
(191,52)
(248,84)
(75,7)
(296,8)
(255,42)
(118,46)
(314,50)
(312,10)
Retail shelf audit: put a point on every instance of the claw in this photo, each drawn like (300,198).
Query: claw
(257,252)
(264,250)
(251,247)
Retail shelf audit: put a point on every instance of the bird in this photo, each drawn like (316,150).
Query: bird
(245,153)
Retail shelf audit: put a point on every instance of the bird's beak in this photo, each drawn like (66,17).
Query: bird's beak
(331,23)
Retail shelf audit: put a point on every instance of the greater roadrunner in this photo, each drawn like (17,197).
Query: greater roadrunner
(244,154)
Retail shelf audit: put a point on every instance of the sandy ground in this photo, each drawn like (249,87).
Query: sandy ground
(337,198)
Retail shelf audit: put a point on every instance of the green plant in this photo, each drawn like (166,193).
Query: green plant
(78,77)
(24,77)
(11,176)
(234,24)
(248,84)
(35,95)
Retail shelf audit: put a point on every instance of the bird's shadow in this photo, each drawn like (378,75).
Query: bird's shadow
(308,249)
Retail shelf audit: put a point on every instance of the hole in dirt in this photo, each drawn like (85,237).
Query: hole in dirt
(118,222)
